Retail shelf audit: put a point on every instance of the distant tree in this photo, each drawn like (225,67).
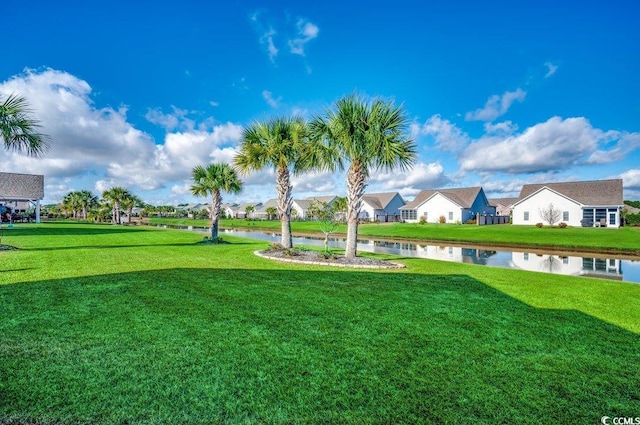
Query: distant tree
(72,203)
(88,201)
(18,130)
(635,204)
(248,211)
(129,203)
(550,214)
(211,181)
(271,212)
(340,207)
(114,197)
(326,216)
(315,208)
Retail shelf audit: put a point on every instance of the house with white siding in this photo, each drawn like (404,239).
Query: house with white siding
(455,205)
(596,203)
(301,206)
(504,206)
(382,207)
(262,213)
(20,191)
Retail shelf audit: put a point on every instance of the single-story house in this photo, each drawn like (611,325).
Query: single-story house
(455,205)
(301,206)
(240,211)
(381,206)
(596,203)
(261,211)
(18,191)
(504,206)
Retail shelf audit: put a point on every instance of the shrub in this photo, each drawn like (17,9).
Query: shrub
(562,225)
(290,252)
(276,246)
(442,219)
(423,220)
(539,225)
(328,255)
(471,221)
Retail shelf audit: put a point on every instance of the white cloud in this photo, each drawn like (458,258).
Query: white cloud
(315,182)
(505,127)
(631,179)
(553,145)
(307,31)
(496,106)
(447,136)
(99,145)
(551,69)
(421,176)
(271,101)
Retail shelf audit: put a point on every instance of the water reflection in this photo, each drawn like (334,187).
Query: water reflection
(608,268)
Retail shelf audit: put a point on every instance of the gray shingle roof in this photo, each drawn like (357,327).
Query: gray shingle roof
(21,186)
(503,201)
(595,192)
(379,201)
(463,196)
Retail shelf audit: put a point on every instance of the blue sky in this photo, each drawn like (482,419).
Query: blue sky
(498,94)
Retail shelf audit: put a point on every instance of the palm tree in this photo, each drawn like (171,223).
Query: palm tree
(367,135)
(129,203)
(114,197)
(271,211)
(87,200)
(278,143)
(211,181)
(18,130)
(72,203)
(340,207)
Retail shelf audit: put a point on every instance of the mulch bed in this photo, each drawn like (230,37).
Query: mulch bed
(315,258)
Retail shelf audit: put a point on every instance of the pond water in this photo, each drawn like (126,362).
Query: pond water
(586,265)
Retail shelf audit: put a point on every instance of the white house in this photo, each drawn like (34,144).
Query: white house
(596,203)
(609,268)
(18,191)
(301,206)
(381,206)
(240,211)
(261,211)
(455,205)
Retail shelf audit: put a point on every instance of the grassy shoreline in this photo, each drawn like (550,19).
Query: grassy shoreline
(625,240)
(114,324)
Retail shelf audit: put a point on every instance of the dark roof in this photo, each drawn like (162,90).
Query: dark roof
(595,192)
(21,186)
(379,201)
(503,201)
(464,196)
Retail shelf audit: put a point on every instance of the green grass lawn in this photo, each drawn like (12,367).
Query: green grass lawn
(109,324)
(625,239)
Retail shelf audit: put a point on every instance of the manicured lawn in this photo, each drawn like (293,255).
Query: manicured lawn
(106,324)
(626,239)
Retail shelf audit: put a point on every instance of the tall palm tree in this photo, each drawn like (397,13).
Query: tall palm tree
(278,143)
(18,130)
(368,135)
(72,203)
(114,196)
(211,181)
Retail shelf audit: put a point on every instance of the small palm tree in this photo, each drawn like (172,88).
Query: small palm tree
(271,212)
(87,200)
(114,197)
(17,130)
(72,203)
(211,181)
(367,135)
(278,143)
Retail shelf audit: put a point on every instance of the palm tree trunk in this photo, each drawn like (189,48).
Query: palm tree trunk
(216,201)
(285,202)
(117,212)
(355,189)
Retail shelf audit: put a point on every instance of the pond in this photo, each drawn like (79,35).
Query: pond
(581,264)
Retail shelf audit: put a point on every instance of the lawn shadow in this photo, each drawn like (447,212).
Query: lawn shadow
(394,347)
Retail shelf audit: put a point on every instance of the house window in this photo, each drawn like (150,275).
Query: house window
(565,215)
(450,215)
(525,256)
(408,214)
(526,216)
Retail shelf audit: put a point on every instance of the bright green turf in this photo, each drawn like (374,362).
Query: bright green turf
(626,239)
(106,324)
